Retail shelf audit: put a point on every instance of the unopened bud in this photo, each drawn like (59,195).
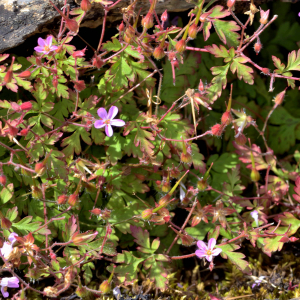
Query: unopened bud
(180,46)
(257,46)
(241,139)
(25,74)
(105,287)
(230,3)
(8,77)
(193,31)
(254,175)
(147,21)
(73,199)
(72,25)
(2,180)
(202,184)
(36,192)
(265,71)
(96,211)
(24,132)
(226,118)
(121,27)
(186,157)
(62,199)
(279,98)
(83,238)
(201,86)
(147,214)
(85,5)
(164,16)
(55,82)
(164,200)
(26,106)
(40,168)
(158,52)
(217,130)
(293,239)
(5,223)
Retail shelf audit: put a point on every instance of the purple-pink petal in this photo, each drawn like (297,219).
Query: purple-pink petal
(12,237)
(4,293)
(108,130)
(41,42)
(13,282)
(99,124)
(117,122)
(200,253)
(201,245)
(211,243)
(49,41)
(102,113)
(216,251)
(113,111)
(39,49)
(209,258)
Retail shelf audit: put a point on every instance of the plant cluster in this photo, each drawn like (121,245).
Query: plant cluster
(113,161)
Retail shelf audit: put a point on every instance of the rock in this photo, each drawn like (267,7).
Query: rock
(20,19)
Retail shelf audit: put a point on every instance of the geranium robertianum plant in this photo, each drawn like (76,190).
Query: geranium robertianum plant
(72,196)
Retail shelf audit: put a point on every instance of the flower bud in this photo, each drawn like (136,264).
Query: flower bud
(257,46)
(72,25)
(83,238)
(217,130)
(55,82)
(293,239)
(73,199)
(164,16)
(26,106)
(279,98)
(147,21)
(165,186)
(193,31)
(121,27)
(105,287)
(2,180)
(106,214)
(226,118)
(147,214)
(158,52)
(98,62)
(201,86)
(5,223)
(96,211)
(265,71)
(175,172)
(254,175)
(24,131)
(180,46)
(264,15)
(129,33)
(82,292)
(204,16)
(40,168)
(202,184)
(241,139)
(79,85)
(25,74)
(85,5)
(62,199)
(186,157)
(8,77)
(164,200)
(230,3)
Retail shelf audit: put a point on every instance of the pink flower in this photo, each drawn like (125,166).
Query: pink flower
(11,282)
(45,46)
(254,215)
(207,251)
(8,247)
(106,119)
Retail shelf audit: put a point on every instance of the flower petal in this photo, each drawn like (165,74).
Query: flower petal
(49,41)
(99,124)
(201,245)
(39,49)
(212,243)
(12,238)
(13,282)
(200,253)
(102,113)
(4,293)
(216,251)
(117,122)
(209,258)
(108,130)
(41,42)
(113,111)
(53,48)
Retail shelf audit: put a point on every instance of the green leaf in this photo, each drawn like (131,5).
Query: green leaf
(235,257)
(109,247)
(114,151)
(243,72)
(293,61)
(7,193)
(87,272)
(142,239)
(226,31)
(26,225)
(142,139)
(115,45)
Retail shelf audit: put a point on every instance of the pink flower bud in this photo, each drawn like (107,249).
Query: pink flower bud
(55,82)
(265,71)
(147,21)
(147,214)
(96,211)
(72,25)
(217,129)
(121,27)
(26,106)
(193,31)
(279,98)
(8,77)
(105,287)
(158,52)
(85,5)
(25,74)
(257,46)
(164,16)
(201,86)
(241,139)
(230,3)
(2,180)
(264,15)
(226,118)
(73,199)
(62,199)
(40,168)
(180,46)
(24,132)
